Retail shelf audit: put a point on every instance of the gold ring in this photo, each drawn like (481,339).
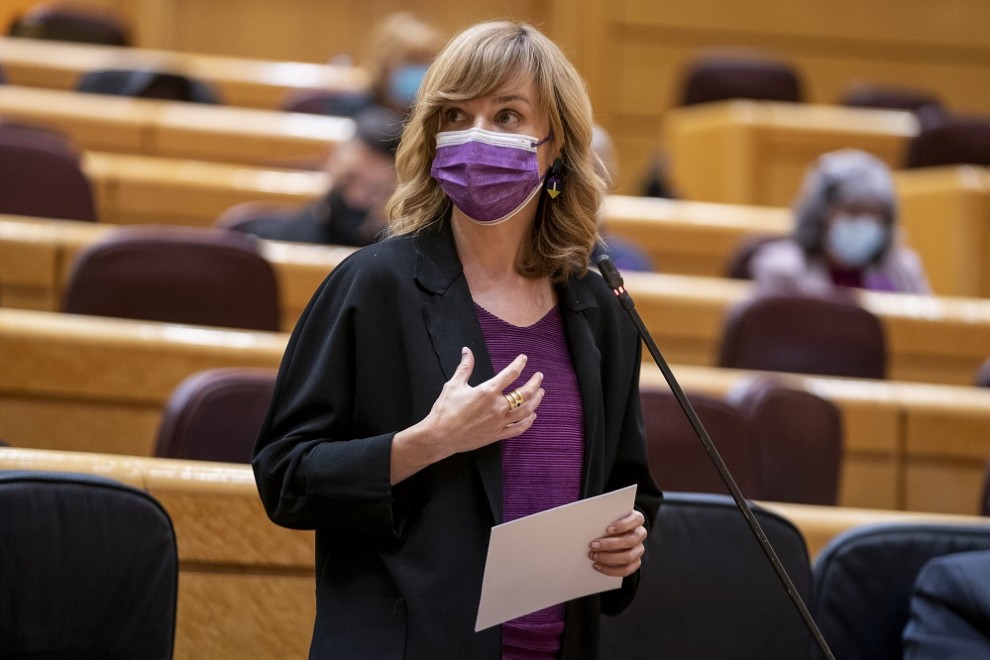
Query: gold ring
(514,399)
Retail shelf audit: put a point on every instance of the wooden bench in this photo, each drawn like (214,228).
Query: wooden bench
(96,384)
(246,585)
(243,82)
(930,338)
(177,130)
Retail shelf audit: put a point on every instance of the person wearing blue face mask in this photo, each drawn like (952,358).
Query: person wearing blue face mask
(468,370)
(845,232)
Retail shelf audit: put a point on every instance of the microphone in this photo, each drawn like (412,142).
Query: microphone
(614,281)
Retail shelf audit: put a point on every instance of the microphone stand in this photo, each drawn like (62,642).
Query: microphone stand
(614,281)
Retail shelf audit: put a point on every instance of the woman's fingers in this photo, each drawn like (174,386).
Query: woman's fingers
(620,552)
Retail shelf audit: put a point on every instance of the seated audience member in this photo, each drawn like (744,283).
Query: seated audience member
(362,176)
(400,49)
(950,609)
(626,254)
(845,232)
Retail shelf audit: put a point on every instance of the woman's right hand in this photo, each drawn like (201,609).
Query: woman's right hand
(465,417)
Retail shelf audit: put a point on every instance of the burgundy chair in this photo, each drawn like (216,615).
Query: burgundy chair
(204,276)
(40,175)
(678,460)
(729,75)
(798,438)
(985,500)
(215,415)
(955,141)
(826,334)
(58,21)
(869,95)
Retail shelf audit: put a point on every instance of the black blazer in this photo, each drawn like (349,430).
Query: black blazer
(399,570)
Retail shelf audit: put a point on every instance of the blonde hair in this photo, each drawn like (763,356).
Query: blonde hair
(474,64)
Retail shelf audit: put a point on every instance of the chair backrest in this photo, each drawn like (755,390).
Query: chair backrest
(325,102)
(983,374)
(88,569)
(869,95)
(215,415)
(148,84)
(204,276)
(730,75)
(985,497)
(954,141)
(737,266)
(864,577)
(798,438)
(707,590)
(827,334)
(61,21)
(41,175)
(678,460)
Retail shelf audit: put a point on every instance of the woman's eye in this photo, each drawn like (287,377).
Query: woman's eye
(451,115)
(505,117)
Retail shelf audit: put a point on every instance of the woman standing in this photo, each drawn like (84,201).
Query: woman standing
(467,371)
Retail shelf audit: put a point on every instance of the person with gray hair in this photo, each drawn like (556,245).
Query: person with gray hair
(845,232)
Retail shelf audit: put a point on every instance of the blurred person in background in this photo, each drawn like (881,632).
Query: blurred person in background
(845,232)
(352,211)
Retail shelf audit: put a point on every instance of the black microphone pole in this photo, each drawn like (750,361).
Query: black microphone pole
(614,281)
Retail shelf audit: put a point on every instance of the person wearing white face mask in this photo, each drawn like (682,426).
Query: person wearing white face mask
(468,370)
(845,232)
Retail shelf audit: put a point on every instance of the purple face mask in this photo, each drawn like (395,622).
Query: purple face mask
(488,176)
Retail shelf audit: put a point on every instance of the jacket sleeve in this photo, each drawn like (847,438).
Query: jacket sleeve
(310,469)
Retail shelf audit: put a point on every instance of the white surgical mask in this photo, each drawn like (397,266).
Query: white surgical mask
(853,240)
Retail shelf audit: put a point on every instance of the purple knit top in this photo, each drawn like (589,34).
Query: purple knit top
(542,468)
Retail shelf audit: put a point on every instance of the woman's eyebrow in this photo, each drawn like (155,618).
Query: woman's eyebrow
(507,98)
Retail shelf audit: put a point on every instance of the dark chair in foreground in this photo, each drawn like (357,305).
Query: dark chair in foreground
(215,415)
(201,276)
(864,577)
(41,175)
(798,439)
(88,569)
(678,460)
(814,334)
(708,591)
(64,21)
(731,74)
(148,84)
(955,141)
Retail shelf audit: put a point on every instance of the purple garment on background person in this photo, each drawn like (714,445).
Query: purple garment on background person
(543,467)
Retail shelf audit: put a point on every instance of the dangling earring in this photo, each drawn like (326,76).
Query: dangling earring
(553,178)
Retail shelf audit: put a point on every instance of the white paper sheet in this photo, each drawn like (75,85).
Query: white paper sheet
(542,559)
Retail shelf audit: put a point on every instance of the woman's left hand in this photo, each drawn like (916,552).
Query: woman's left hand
(619,553)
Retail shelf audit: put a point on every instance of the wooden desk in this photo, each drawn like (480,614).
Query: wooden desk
(757,152)
(94,384)
(245,585)
(178,130)
(242,82)
(930,339)
(133,190)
